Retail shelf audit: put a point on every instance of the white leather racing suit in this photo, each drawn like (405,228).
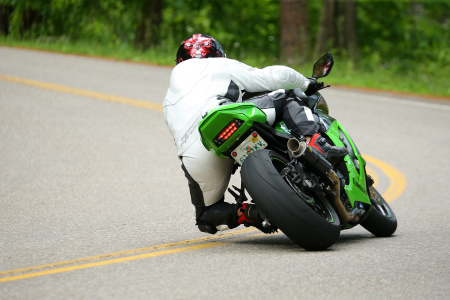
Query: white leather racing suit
(198,85)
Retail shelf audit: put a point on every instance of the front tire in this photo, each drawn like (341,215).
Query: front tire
(313,228)
(381,220)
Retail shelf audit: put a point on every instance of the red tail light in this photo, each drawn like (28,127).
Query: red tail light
(228,131)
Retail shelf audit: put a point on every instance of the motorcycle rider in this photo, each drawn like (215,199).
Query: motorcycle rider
(204,78)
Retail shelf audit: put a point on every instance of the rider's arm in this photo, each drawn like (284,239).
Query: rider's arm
(268,79)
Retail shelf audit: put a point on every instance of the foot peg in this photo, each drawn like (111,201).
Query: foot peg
(239,196)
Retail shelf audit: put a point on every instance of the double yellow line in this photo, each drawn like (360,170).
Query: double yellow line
(397,186)
(124,256)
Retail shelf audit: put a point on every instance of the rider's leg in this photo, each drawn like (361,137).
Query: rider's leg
(288,106)
(332,153)
(283,105)
(309,125)
(299,118)
(208,177)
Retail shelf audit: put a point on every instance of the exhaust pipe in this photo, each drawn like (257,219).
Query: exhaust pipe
(335,200)
(296,147)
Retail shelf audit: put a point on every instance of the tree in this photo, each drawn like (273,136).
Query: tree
(5,13)
(30,17)
(295,41)
(350,38)
(327,36)
(147,32)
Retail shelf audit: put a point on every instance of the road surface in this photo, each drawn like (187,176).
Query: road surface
(93,202)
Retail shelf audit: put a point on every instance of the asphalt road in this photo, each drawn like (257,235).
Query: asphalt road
(94,205)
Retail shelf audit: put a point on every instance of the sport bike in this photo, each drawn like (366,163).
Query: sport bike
(293,186)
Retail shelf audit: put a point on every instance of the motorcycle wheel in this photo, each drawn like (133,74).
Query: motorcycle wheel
(381,220)
(311,226)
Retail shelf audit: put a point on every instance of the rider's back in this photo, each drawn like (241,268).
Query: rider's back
(197,85)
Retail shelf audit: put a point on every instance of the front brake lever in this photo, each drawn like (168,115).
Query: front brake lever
(324,87)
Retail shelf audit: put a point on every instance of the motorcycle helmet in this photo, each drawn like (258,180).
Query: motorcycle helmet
(199,46)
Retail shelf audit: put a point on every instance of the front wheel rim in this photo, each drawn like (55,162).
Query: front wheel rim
(379,203)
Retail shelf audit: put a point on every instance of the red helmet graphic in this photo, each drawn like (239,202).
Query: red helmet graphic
(199,46)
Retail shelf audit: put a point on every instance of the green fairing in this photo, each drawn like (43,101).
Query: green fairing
(356,189)
(281,127)
(215,122)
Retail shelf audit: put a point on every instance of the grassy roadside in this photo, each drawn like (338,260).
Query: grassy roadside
(423,80)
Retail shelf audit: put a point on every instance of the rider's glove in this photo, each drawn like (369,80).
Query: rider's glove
(313,86)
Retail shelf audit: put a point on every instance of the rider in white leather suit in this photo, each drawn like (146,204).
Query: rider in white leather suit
(204,78)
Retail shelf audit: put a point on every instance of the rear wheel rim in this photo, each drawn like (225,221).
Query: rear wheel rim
(316,203)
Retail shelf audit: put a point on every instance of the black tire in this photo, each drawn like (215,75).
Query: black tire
(381,220)
(282,205)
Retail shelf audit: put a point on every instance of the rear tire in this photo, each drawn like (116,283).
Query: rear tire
(381,220)
(313,228)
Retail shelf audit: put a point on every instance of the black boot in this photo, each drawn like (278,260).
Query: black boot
(332,153)
(220,213)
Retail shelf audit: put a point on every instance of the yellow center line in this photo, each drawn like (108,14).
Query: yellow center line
(84,93)
(396,178)
(396,187)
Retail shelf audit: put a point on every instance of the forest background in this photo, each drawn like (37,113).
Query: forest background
(398,45)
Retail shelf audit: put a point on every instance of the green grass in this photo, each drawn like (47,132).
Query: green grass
(423,78)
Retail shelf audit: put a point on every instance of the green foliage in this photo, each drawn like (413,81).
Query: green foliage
(106,21)
(396,34)
(242,27)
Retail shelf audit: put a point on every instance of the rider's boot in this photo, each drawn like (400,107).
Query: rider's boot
(251,217)
(332,153)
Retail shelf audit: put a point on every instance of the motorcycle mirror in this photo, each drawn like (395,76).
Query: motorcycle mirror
(323,66)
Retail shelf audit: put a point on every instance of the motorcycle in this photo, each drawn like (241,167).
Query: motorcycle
(293,186)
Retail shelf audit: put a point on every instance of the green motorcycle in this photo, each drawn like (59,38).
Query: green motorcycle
(294,187)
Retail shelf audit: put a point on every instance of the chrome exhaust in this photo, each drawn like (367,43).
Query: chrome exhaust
(296,147)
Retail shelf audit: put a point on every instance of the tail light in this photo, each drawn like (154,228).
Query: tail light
(228,131)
